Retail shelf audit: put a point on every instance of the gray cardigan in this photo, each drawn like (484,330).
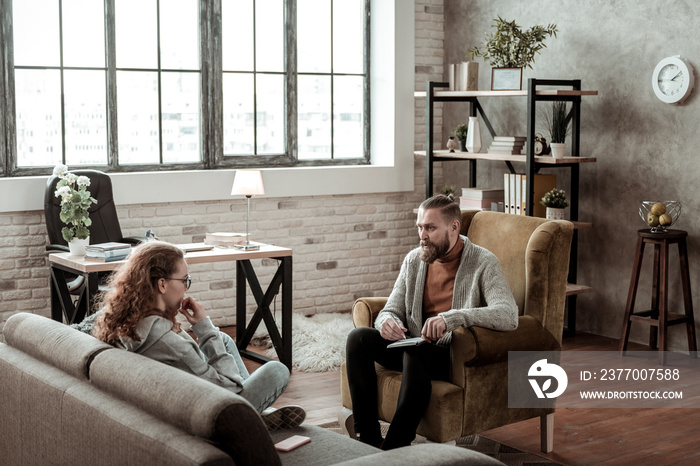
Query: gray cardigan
(208,360)
(481,295)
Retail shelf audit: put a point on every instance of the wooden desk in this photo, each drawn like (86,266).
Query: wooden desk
(62,305)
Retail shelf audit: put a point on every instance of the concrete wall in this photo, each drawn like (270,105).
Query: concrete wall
(646,149)
(344,246)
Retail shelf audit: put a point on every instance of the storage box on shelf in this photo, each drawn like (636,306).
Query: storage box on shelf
(534,93)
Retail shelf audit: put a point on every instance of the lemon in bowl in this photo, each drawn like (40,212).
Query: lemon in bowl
(659,215)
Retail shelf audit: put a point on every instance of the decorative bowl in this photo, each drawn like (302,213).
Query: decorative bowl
(659,215)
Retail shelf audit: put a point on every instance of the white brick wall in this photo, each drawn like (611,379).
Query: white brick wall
(344,247)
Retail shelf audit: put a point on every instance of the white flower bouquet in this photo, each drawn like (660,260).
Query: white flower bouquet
(75,202)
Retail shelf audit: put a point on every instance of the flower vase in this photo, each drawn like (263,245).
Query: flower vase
(473,135)
(555,213)
(558,149)
(77,246)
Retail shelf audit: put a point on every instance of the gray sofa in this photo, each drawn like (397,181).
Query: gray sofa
(68,398)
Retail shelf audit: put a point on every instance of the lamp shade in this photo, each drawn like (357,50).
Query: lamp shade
(248,183)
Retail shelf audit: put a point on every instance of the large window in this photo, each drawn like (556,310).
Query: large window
(124,85)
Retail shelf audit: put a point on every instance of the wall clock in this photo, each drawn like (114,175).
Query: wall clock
(673,80)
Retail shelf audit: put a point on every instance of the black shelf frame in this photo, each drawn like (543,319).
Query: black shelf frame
(531,165)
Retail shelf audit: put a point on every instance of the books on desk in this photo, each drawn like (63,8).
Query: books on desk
(227,240)
(107,252)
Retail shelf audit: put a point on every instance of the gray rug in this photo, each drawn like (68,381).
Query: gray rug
(503,453)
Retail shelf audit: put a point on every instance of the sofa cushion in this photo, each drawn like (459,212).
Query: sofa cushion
(194,405)
(326,447)
(53,342)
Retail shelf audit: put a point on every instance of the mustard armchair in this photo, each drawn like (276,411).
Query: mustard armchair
(534,256)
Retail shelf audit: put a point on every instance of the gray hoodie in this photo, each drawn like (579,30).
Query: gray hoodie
(208,360)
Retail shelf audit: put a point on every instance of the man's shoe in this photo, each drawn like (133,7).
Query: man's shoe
(285,417)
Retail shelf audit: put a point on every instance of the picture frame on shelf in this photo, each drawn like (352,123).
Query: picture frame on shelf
(506,79)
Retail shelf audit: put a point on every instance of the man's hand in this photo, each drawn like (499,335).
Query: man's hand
(192,310)
(434,328)
(392,331)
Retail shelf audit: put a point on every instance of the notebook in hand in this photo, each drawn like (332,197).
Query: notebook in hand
(408,342)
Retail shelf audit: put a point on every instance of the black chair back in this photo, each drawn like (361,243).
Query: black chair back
(105,223)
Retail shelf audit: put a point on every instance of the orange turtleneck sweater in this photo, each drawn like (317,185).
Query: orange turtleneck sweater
(440,282)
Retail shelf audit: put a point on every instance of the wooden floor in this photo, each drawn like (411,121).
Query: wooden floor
(581,436)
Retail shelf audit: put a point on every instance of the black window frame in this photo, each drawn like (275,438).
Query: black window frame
(211,101)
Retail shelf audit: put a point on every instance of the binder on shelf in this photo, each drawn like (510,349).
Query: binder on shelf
(518,193)
(506,193)
(511,182)
(543,184)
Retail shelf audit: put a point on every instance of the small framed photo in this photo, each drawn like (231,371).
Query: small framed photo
(506,79)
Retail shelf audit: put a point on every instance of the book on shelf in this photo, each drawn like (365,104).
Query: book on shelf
(482,193)
(516,187)
(478,203)
(225,239)
(505,151)
(510,138)
(110,246)
(498,143)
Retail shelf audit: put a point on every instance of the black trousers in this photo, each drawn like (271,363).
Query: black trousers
(418,365)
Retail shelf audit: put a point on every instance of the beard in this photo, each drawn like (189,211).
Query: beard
(432,251)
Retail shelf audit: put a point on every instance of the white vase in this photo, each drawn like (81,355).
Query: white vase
(558,149)
(473,135)
(555,213)
(77,246)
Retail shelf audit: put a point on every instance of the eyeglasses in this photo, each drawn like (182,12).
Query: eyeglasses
(186,281)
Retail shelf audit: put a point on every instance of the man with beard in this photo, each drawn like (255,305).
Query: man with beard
(444,284)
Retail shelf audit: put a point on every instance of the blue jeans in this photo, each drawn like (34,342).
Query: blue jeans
(265,385)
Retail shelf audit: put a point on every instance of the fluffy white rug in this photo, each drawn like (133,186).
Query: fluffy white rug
(318,342)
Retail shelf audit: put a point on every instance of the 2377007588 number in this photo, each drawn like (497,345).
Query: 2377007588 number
(639,374)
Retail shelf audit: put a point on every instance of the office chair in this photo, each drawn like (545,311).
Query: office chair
(105,228)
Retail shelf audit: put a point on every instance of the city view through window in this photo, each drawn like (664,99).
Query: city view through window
(63,89)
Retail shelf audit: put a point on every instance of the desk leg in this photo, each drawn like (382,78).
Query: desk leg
(244,333)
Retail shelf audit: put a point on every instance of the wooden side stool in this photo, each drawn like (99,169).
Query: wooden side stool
(658,316)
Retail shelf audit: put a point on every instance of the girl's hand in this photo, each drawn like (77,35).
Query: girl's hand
(192,310)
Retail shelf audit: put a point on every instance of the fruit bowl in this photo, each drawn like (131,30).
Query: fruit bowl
(659,215)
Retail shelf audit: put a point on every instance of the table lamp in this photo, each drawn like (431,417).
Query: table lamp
(247,183)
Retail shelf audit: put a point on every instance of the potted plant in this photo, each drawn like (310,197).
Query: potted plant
(555,202)
(448,190)
(558,124)
(75,202)
(509,49)
(461,135)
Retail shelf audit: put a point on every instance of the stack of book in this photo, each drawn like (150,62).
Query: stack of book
(507,145)
(480,198)
(227,240)
(107,252)
(516,192)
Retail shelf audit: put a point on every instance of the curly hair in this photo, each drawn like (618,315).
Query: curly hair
(131,296)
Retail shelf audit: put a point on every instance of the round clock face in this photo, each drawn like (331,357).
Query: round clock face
(673,80)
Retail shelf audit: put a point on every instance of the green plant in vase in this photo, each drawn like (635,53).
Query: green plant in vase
(556,198)
(75,202)
(461,135)
(512,47)
(557,120)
